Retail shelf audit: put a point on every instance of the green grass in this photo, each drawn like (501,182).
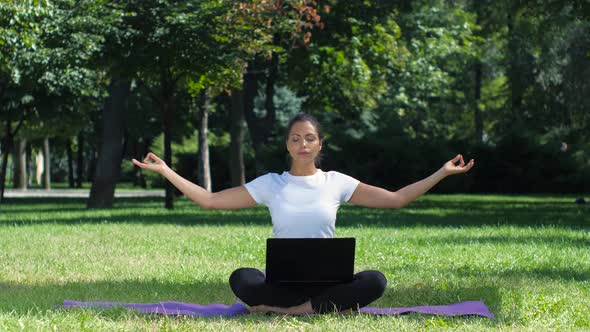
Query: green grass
(526,257)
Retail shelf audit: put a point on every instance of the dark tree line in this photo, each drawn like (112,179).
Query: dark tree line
(399,87)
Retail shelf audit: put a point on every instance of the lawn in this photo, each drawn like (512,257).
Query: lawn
(526,257)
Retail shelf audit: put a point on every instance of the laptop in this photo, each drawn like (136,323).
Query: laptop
(309,261)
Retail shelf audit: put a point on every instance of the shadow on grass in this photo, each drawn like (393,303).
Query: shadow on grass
(60,204)
(542,239)
(27,299)
(440,212)
(24,298)
(537,273)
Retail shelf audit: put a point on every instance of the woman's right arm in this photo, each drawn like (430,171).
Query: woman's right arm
(229,199)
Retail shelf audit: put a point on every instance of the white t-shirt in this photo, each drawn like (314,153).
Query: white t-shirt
(303,206)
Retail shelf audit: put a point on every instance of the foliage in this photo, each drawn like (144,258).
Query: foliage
(393,82)
(20,31)
(51,78)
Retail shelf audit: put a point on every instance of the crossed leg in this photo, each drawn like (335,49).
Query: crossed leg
(249,285)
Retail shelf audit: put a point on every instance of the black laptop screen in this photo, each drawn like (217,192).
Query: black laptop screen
(310,260)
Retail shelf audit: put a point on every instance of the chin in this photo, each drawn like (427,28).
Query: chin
(304,159)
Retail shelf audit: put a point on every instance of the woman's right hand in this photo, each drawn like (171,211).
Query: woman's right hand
(158,165)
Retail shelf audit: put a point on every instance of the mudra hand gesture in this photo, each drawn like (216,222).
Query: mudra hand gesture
(451,167)
(158,165)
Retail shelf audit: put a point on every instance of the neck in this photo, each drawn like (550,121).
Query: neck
(303,169)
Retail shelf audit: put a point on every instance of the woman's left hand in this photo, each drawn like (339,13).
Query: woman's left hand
(451,167)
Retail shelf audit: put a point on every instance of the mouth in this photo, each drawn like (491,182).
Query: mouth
(303,153)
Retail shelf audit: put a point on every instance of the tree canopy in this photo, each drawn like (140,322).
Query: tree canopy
(503,80)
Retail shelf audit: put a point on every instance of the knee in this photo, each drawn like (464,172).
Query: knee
(244,281)
(375,283)
(236,277)
(239,278)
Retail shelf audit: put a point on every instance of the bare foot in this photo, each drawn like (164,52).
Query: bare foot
(302,309)
(260,308)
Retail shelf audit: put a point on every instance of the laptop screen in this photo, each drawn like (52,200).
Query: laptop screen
(310,260)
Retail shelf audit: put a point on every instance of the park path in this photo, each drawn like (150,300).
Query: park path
(78,193)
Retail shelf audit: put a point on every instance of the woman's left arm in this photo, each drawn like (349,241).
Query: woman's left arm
(371,196)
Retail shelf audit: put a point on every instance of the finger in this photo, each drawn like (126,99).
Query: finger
(462,161)
(454,160)
(138,163)
(469,165)
(154,157)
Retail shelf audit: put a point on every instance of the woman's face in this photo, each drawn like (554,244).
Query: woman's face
(303,142)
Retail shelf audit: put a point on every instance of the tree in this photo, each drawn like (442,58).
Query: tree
(236,159)
(47,77)
(114,125)
(19,37)
(274,28)
(25,74)
(183,39)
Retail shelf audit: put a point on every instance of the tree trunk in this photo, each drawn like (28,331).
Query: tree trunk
(169,200)
(70,155)
(108,168)
(478,116)
(29,152)
(3,170)
(19,180)
(7,143)
(204,169)
(91,164)
(39,165)
(236,130)
(261,129)
(47,170)
(167,100)
(3,84)
(478,76)
(513,67)
(80,161)
(249,93)
(139,154)
(256,131)
(16,161)
(271,79)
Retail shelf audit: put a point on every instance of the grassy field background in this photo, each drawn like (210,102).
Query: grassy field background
(526,257)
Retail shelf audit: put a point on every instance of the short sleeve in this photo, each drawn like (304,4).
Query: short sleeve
(260,188)
(347,185)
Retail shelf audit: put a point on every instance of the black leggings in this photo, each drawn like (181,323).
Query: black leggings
(249,286)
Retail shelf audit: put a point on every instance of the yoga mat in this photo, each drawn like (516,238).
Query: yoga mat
(221,310)
(170,308)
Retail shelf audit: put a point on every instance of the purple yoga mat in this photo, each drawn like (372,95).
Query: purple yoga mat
(221,310)
(456,309)
(170,308)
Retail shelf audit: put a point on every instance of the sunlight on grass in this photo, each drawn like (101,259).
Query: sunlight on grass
(526,257)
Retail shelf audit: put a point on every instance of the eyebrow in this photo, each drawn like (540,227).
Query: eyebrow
(304,134)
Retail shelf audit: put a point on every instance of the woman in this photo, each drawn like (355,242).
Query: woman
(303,203)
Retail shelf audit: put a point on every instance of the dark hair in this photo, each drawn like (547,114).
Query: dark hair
(302,117)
